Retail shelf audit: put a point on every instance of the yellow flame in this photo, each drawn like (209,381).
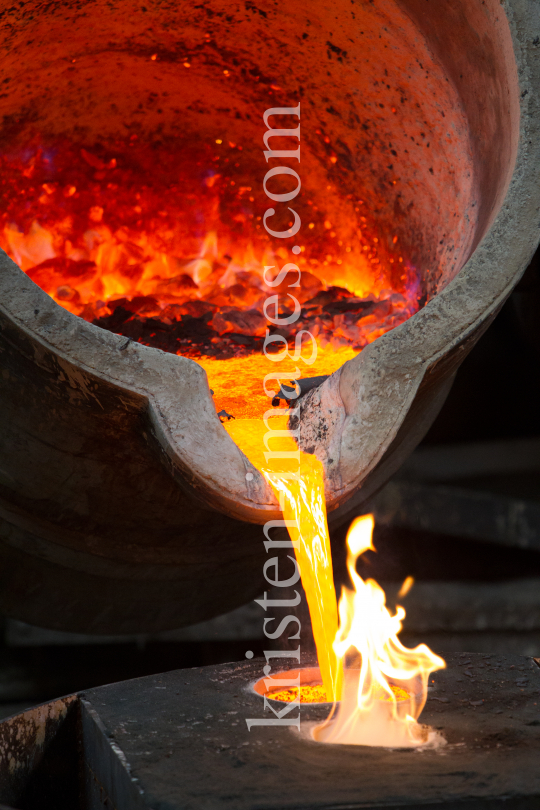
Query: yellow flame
(375,660)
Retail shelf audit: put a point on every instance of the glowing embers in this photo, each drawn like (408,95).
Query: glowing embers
(164,244)
(375,661)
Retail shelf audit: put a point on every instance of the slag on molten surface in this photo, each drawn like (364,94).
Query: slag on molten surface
(162,246)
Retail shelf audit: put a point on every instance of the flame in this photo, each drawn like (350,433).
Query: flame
(406,587)
(375,662)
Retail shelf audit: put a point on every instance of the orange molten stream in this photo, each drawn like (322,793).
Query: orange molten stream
(173,255)
(303,503)
(300,491)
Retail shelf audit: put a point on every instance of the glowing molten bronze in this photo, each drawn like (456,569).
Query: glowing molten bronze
(311,693)
(316,693)
(165,246)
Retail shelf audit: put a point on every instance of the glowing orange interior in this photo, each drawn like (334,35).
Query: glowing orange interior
(166,247)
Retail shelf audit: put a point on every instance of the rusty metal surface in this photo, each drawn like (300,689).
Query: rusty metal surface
(39,757)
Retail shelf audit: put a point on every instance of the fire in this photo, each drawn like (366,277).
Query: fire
(381,686)
(372,710)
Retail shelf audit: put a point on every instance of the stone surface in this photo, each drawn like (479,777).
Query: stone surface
(186,746)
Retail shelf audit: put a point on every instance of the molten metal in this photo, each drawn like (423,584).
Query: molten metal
(311,693)
(304,506)
(301,496)
(316,693)
(164,245)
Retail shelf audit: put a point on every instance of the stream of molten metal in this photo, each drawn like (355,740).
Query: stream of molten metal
(300,493)
(380,684)
(134,240)
(303,502)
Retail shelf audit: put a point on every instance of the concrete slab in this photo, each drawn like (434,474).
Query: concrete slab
(184,743)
